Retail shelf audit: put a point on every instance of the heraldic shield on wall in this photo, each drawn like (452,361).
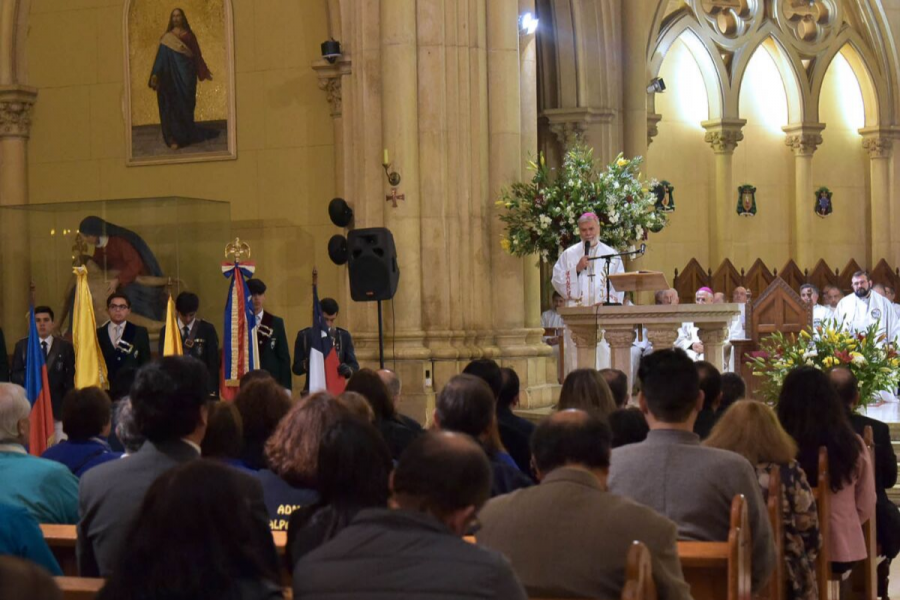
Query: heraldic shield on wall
(665,200)
(823,202)
(746,204)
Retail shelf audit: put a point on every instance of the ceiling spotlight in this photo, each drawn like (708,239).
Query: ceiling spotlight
(657,86)
(528,24)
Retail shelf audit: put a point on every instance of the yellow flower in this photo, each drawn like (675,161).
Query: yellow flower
(504,243)
(829,361)
(499,203)
(805,334)
(895,362)
(622,162)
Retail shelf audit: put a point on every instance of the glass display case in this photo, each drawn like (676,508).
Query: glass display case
(147,245)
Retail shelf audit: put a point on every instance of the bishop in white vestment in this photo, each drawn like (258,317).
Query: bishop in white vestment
(582,282)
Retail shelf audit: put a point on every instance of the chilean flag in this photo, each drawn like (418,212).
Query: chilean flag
(37,388)
(323,360)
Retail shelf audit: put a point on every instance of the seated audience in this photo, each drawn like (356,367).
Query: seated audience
(354,465)
(618,386)
(415,550)
(887,518)
(47,489)
(733,389)
(587,390)
(127,430)
(629,426)
(397,432)
(674,475)
(711,386)
(197,538)
(262,404)
(119,388)
(811,412)
(224,437)
(169,403)
(569,536)
(24,579)
(86,420)
(466,405)
(515,432)
(752,430)
(254,376)
(293,456)
(357,404)
(395,387)
(489,371)
(21,535)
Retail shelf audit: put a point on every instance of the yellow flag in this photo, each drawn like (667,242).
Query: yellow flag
(90,367)
(172,343)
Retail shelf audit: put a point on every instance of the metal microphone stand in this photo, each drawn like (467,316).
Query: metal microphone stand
(608,258)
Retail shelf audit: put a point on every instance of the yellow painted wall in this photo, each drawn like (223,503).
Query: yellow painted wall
(283,178)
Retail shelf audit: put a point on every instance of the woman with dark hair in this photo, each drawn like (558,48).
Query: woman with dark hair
(811,412)
(87,420)
(196,538)
(262,404)
(353,471)
(292,453)
(396,433)
(224,437)
(587,390)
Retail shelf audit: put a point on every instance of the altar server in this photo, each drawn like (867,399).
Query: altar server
(810,296)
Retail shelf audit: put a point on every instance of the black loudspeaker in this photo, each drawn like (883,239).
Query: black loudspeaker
(374,273)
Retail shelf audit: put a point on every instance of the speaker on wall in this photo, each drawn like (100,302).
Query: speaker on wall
(374,273)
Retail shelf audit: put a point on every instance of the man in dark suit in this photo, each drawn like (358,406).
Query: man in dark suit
(169,402)
(274,354)
(340,340)
(887,518)
(123,344)
(198,337)
(60,357)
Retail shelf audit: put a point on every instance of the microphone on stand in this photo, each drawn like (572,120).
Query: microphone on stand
(587,252)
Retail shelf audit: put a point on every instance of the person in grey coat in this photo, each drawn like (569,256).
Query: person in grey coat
(169,403)
(416,550)
(677,477)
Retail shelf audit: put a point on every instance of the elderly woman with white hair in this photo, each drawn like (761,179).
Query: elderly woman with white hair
(46,488)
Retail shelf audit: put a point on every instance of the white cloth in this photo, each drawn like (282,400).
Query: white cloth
(856,314)
(551,318)
(738,328)
(897,311)
(821,315)
(687,337)
(585,289)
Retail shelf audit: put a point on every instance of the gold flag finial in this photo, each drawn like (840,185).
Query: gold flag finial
(240,250)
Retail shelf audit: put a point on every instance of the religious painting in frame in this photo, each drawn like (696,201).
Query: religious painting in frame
(746,204)
(179,81)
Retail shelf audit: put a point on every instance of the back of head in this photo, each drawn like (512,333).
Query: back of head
(628,426)
(392,381)
(85,413)
(571,438)
(14,407)
(587,390)
(487,370)
(752,430)
(710,383)
(24,579)
(224,432)
(195,537)
(253,376)
(293,449)
(262,404)
(357,404)
(126,427)
(733,389)
(669,384)
(442,472)
(368,383)
(509,390)
(846,385)
(618,385)
(354,464)
(466,405)
(167,396)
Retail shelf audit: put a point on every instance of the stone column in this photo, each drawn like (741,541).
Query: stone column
(636,18)
(331,77)
(723,136)
(878,143)
(16,103)
(803,139)
(662,336)
(713,339)
(620,343)
(585,337)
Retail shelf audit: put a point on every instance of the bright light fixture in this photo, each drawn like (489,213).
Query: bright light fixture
(528,24)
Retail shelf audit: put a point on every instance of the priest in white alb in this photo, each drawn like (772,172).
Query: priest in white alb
(861,309)
(582,282)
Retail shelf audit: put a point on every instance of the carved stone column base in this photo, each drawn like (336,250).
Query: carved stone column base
(713,338)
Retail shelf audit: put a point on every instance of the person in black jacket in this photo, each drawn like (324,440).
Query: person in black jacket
(711,385)
(122,343)
(274,354)
(198,338)
(887,518)
(60,358)
(341,341)
(4,359)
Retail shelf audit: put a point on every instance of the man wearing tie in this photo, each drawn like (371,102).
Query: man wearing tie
(274,354)
(198,338)
(123,344)
(60,358)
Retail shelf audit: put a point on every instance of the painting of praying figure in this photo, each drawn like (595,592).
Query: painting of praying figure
(180,81)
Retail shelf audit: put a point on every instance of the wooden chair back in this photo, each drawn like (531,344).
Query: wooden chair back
(639,583)
(62,539)
(79,588)
(774,504)
(822,494)
(864,578)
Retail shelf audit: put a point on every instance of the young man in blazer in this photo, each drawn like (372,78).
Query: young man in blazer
(274,354)
(341,340)
(198,338)
(123,343)
(60,358)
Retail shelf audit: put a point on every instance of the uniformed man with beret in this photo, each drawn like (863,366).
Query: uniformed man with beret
(274,353)
(198,338)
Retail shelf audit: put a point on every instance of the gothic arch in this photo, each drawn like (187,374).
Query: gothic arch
(872,89)
(13,31)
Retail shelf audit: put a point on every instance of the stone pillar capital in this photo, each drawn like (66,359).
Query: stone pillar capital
(803,138)
(653,120)
(330,81)
(878,141)
(16,103)
(723,135)
(570,124)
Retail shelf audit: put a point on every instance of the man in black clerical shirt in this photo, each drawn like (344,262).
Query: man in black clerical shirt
(198,337)
(274,354)
(123,343)
(340,340)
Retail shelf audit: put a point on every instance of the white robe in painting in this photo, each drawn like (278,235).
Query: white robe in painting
(585,289)
(856,314)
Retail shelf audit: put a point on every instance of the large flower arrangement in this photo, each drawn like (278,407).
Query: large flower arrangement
(541,216)
(874,363)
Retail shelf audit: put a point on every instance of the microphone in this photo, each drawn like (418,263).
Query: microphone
(587,251)
(643,249)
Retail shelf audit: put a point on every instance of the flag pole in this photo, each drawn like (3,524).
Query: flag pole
(32,289)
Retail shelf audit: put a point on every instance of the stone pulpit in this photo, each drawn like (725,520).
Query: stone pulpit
(620,323)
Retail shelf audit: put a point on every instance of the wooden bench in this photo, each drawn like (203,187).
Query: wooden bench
(823,509)
(864,579)
(79,588)
(774,504)
(721,570)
